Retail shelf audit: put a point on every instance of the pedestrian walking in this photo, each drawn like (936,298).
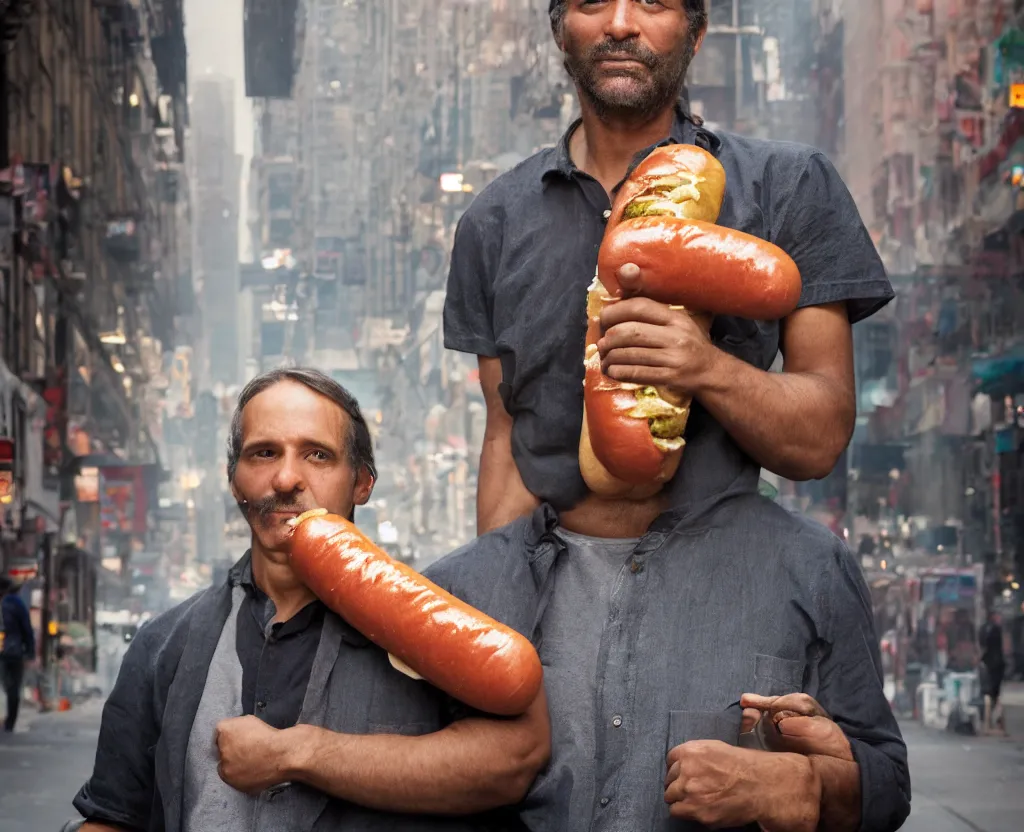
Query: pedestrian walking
(19,648)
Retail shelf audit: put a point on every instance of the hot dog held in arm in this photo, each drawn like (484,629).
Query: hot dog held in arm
(428,633)
(663,222)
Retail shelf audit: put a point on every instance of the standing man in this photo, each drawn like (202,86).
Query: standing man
(19,647)
(993,669)
(253,708)
(526,250)
(708,599)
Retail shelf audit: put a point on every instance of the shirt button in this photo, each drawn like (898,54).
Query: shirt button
(636,567)
(617,721)
(261,706)
(605,801)
(607,214)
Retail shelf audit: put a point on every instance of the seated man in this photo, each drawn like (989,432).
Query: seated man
(253,707)
(656,651)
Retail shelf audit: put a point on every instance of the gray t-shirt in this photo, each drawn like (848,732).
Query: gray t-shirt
(573,626)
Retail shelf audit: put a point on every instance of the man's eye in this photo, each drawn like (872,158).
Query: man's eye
(320,456)
(263,454)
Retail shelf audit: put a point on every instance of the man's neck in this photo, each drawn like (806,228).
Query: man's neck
(604,147)
(280,584)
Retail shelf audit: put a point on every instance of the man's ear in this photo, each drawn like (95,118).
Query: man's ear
(365,481)
(700,39)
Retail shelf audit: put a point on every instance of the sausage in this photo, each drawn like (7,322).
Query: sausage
(702,266)
(455,647)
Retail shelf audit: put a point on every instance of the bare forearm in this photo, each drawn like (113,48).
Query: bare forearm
(501,496)
(791,797)
(473,766)
(794,424)
(99,827)
(840,794)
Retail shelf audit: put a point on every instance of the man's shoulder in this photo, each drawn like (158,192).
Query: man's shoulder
(482,559)
(177,619)
(509,189)
(783,161)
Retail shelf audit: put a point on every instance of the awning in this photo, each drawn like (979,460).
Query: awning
(1002,374)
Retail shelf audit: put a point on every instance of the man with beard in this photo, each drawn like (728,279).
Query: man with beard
(659,615)
(526,250)
(252,707)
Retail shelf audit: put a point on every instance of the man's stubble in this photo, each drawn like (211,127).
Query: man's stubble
(659,89)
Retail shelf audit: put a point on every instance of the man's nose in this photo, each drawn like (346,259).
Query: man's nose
(288,477)
(623,23)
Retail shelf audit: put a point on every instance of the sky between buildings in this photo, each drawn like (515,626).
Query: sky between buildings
(213,31)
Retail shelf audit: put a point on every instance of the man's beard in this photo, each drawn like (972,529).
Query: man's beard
(652,94)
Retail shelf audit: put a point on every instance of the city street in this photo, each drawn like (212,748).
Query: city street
(961,784)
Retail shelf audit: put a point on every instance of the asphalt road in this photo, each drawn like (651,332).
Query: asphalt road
(960,784)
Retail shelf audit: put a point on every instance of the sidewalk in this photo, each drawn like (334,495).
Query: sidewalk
(1012,697)
(44,764)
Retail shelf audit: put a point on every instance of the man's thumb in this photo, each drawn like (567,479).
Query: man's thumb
(629,279)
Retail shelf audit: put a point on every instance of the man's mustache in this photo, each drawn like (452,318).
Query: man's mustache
(266,506)
(632,49)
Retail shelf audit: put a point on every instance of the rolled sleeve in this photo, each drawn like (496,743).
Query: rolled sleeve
(821,229)
(851,691)
(468,321)
(121,790)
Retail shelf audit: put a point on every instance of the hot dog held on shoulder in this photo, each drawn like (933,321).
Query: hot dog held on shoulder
(428,633)
(663,222)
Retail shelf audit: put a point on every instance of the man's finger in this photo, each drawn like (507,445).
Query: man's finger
(672,774)
(636,374)
(751,716)
(810,735)
(643,310)
(632,357)
(632,334)
(799,704)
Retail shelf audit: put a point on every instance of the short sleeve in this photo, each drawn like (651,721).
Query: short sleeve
(820,227)
(468,322)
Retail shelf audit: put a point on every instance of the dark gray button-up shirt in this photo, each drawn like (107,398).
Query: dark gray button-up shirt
(526,250)
(730,595)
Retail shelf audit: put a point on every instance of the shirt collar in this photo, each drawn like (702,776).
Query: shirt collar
(241,575)
(686,129)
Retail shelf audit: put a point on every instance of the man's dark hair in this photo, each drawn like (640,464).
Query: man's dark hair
(696,11)
(6,585)
(359,443)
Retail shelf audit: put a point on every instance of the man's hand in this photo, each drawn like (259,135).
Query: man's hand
(252,754)
(720,786)
(795,723)
(648,343)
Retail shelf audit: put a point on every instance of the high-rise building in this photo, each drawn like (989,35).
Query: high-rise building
(216,188)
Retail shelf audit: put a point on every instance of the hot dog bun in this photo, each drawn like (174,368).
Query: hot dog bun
(455,647)
(702,266)
(679,180)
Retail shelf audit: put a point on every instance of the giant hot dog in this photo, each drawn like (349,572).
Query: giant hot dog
(663,222)
(443,640)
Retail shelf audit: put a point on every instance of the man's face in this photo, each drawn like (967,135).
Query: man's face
(628,58)
(294,458)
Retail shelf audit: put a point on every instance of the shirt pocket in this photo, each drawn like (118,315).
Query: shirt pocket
(774,676)
(688,726)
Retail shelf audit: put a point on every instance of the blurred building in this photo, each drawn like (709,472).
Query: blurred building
(358,181)
(95,284)
(935,160)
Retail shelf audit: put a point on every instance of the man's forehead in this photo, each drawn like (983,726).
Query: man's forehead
(292,416)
